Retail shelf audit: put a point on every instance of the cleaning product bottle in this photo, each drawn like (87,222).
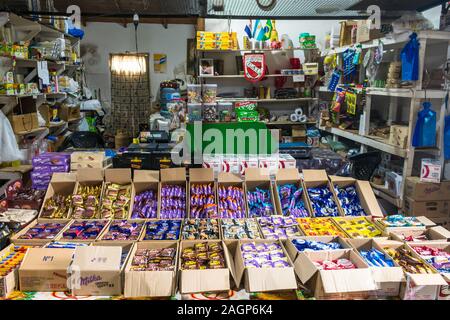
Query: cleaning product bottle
(425,130)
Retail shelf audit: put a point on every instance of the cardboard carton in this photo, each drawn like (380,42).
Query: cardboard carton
(313,179)
(173,176)
(201,176)
(144,180)
(427,223)
(119,176)
(16,239)
(105,164)
(293,252)
(147,221)
(258,178)
(263,279)
(229,179)
(365,194)
(25,118)
(433,234)
(426,191)
(89,177)
(140,222)
(269,162)
(150,283)
(286,161)
(248,161)
(430,209)
(192,281)
(45,269)
(67,113)
(214,162)
(288,176)
(230,164)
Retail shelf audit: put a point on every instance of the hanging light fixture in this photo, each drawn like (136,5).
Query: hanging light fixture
(128,64)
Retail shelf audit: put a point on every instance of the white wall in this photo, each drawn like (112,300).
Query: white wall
(114,38)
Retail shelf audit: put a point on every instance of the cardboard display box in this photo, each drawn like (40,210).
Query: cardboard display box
(227,179)
(434,234)
(173,176)
(335,284)
(67,113)
(388,279)
(61,238)
(293,252)
(61,183)
(365,194)
(150,283)
(119,176)
(426,191)
(263,279)
(192,281)
(258,178)
(122,242)
(24,117)
(87,156)
(90,177)
(35,242)
(144,180)
(288,176)
(45,269)
(364,32)
(429,209)
(105,164)
(398,136)
(313,179)
(427,223)
(201,176)
(95,271)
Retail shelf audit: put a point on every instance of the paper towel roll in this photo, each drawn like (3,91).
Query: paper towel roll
(299,112)
(294,117)
(302,118)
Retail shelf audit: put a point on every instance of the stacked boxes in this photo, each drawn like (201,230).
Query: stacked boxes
(45,165)
(217,40)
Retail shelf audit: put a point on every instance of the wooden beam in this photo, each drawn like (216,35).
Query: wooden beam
(200,24)
(189,20)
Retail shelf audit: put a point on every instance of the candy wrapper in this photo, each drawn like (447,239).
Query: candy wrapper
(163,230)
(200,229)
(46,231)
(349,201)
(358,227)
(278,227)
(158,259)
(116,201)
(309,245)
(291,200)
(322,202)
(51,159)
(240,229)
(25,198)
(260,203)
(339,264)
(400,221)
(319,227)
(376,258)
(263,255)
(231,202)
(203,256)
(66,245)
(437,257)
(86,202)
(173,202)
(11,260)
(56,207)
(203,201)
(145,205)
(123,230)
(407,261)
(84,230)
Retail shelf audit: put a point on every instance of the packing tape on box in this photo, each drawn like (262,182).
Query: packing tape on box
(302,118)
(294,117)
(299,112)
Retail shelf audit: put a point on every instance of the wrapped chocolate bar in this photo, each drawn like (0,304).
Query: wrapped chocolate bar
(319,227)
(310,245)
(123,230)
(11,259)
(435,256)
(46,231)
(322,202)
(163,230)
(173,202)
(408,262)
(263,255)
(231,202)
(291,200)
(338,264)
(376,258)
(56,207)
(84,230)
(86,202)
(260,203)
(240,229)
(349,201)
(202,201)
(202,256)
(399,220)
(358,227)
(116,201)
(66,245)
(200,229)
(278,227)
(51,159)
(157,259)
(145,205)
(25,198)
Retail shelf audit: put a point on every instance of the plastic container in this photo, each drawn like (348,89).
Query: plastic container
(210,112)
(194,92)
(209,93)
(225,110)
(194,112)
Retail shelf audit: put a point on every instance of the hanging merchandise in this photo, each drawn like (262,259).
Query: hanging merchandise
(254,66)
(9,150)
(357,56)
(349,67)
(350,100)
(334,81)
(410,59)
(447,132)
(339,101)
(425,130)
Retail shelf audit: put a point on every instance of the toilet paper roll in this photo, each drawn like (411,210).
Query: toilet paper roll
(299,112)
(294,117)
(302,119)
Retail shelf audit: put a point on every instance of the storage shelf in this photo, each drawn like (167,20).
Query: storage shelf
(34,131)
(383,193)
(400,92)
(289,123)
(232,76)
(268,100)
(254,50)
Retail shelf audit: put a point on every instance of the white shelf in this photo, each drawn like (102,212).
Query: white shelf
(254,50)
(233,76)
(400,92)
(268,100)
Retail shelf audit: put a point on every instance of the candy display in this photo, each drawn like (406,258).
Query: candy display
(292,201)
(209,93)
(202,201)
(240,229)
(349,201)
(173,202)
(231,202)
(407,261)
(86,204)
(84,230)
(25,198)
(260,203)
(200,229)
(145,205)
(414,238)
(263,255)
(437,257)
(203,256)
(376,258)
(319,227)
(322,202)
(123,230)
(57,207)
(66,245)
(210,113)
(358,227)
(116,201)
(163,230)
(338,264)
(400,221)
(11,259)
(310,245)
(194,93)
(44,165)
(278,227)
(157,259)
(43,231)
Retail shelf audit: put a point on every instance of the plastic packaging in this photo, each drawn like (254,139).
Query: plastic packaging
(9,150)
(194,112)
(425,130)
(194,93)
(410,59)
(225,110)
(209,93)
(210,112)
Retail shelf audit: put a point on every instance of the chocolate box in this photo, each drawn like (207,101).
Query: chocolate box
(144,180)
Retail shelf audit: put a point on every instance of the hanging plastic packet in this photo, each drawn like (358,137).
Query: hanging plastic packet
(357,56)
(447,132)
(425,130)
(340,99)
(410,59)
(349,67)
(334,81)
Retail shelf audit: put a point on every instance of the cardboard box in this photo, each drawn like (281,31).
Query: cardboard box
(61,183)
(426,191)
(201,176)
(345,36)
(364,32)
(230,164)
(45,269)
(144,180)
(429,209)
(214,162)
(89,177)
(248,161)
(269,162)
(258,178)
(335,284)
(398,136)
(75,166)
(313,179)
(293,252)
(118,176)
(46,113)
(15,239)
(229,179)
(192,281)
(137,222)
(95,271)
(431,170)
(263,279)
(173,176)
(365,194)
(24,117)
(288,176)
(150,283)
(286,161)
(388,279)
(67,113)
(427,223)
(433,234)
(442,222)
(87,156)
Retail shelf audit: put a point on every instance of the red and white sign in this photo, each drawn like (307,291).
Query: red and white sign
(254,66)
(431,171)
(248,162)
(230,164)
(286,161)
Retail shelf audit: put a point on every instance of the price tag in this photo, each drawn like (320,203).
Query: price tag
(299,78)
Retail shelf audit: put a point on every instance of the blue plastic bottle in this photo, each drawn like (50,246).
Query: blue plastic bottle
(425,130)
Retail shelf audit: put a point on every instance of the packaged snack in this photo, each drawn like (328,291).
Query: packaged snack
(202,200)
(161,259)
(231,202)
(203,256)
(116,201)
(292,201)
(358,227)
(145,205)
(260,203)
(278,227)
(322,202)
(264,255)
(349,201)
(319,227)
(86,202)
(43,231)
(56,207)
(123,230)
(163,230)
(309,245)
(200,229)
(240,229)
(84,230)
(407,261)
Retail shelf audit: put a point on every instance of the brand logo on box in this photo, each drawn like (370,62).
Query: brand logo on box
(85,281)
